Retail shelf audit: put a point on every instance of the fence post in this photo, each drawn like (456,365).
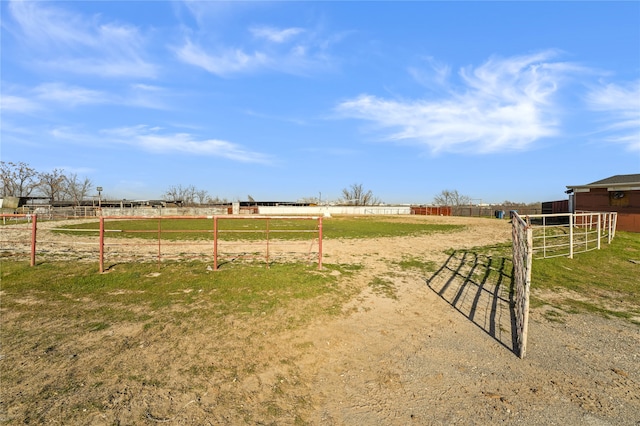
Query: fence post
(320,242)
(215,243)
(267,228)
(101,244)
(599,229)
(610,216)
(571,217)
(34,229)
(159,239)
(527,287)
(586,233)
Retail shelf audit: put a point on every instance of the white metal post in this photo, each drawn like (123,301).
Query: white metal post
(571,236)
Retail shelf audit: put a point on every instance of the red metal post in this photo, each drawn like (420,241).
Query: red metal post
(320,242)
(101,244)
(34,229)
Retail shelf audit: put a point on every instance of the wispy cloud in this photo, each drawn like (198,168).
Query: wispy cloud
(504,104)
(157,140)
(62,95)
(69,95)
(434,76)
(224,63)
(62,40)
(19,100)
(620,105)
(291,50)
(275,35)
(20,104)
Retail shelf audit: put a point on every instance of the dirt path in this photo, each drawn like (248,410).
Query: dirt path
(439,350)
(439,355)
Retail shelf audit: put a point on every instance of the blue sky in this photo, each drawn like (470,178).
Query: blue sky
(290,100)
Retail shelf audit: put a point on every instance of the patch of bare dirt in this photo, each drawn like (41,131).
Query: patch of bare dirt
(439,352)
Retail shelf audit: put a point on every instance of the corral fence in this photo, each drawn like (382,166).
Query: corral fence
(55,213)
(21,240)
(75,212)
(218,239)
(431,210)
(566,234)
(489,211)
(550,235)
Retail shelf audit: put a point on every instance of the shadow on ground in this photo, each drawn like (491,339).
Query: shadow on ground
(480,287)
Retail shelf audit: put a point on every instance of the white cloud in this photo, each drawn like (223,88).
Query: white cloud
(75,43)
(56,94)
(153,139)
(290,50)
(504,104)
(69,95)
(434,76)
(10,103)
(228,62)
(276,35)
(620,105)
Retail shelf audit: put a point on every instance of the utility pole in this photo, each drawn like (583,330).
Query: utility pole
(99,188)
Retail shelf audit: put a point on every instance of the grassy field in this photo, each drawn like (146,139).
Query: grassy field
(251,229)
(605,281)
(121,293)
(100,343)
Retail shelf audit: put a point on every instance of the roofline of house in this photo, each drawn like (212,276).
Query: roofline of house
(610,186)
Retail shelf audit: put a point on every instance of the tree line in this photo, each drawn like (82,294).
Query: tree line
(21,180)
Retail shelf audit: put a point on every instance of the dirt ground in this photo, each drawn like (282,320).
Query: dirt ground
(440,351)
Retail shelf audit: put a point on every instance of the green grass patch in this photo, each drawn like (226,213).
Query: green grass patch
(605,281)
(384,287)
(414,263)
(136,292)
(255,229)
(368,227)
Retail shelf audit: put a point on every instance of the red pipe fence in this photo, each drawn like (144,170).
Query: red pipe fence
(156,241)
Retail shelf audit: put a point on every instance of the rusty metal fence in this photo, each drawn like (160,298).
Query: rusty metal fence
(18,236)
(117,239)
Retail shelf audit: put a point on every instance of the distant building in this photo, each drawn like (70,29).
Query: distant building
(619,193)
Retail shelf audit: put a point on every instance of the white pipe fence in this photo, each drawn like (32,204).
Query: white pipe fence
(550,235)
(566,234)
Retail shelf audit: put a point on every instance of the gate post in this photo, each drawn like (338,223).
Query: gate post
(320,242)
(101,244)
(34,229)
(215,243)
(571,221)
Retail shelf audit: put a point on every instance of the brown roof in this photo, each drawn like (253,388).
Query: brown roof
(617,180)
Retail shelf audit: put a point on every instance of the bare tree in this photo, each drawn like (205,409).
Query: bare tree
(309,200)
(18,179)
(356,195)
(202,195)
(217,200)
(451,198)
(186,194)
(77,189)
(52,184)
